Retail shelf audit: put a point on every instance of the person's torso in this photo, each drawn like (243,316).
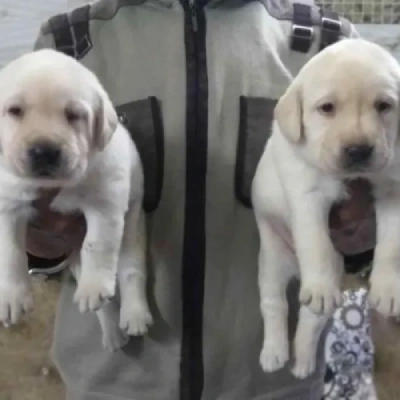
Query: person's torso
(196,86)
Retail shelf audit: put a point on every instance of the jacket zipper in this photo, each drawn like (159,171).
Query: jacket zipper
(192,367)
(193,13)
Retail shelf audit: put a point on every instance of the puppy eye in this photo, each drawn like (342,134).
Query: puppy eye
(383,106)
(71,116)
(15,111)
(326,108)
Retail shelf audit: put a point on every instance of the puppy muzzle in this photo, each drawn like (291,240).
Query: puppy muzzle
(44,159)
(357,156)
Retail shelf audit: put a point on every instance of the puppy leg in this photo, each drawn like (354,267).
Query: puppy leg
(112,336)
(15,284)
(99,257)
(276,266)
(321,267)
(306,341)
(135,314)
(384,294)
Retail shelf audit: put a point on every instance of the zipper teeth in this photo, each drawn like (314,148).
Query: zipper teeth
(194,375)
(193,13)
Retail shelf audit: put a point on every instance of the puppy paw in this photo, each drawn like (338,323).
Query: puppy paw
(92,294)
(384,294)
(15,301)
(304,366)
(113,338)
(321,297)
(135,319)
(274,356)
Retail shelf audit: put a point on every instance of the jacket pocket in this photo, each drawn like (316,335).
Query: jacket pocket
(143,120)
(256,117)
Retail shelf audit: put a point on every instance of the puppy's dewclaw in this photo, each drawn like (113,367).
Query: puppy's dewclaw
(337,122)
(59,129)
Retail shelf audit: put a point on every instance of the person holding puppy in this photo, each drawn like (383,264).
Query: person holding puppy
(196,84)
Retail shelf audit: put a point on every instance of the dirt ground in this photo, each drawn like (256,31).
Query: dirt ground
(26,372)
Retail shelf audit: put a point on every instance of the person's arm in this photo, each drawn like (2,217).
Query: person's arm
(44,39)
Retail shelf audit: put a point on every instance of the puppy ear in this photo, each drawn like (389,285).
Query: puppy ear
(288,114)
(105,120)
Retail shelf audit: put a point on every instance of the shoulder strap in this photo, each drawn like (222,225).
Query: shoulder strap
(71,32)
(302,28)
(331,28)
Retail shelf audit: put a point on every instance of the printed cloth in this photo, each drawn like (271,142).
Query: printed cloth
(349,351)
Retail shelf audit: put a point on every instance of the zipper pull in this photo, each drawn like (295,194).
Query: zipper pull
(193,13)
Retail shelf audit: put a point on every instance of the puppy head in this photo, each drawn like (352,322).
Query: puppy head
(342,110)
(54,114)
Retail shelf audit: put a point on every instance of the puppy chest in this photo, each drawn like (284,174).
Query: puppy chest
(332,190)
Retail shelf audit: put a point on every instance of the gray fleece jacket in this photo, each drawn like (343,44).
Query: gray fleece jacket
(196,84)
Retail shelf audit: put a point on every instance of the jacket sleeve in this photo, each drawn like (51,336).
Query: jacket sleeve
(44,39)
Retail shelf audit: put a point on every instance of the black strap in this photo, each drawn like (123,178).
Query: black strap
(59,25)
(71,32)
(302,28)
(331,28)
(79,19)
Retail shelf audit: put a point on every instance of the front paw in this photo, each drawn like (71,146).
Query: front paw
(321,297)
(384,294)
(274,355)
(15,301)
(92,294)
(304,366)
(135,319)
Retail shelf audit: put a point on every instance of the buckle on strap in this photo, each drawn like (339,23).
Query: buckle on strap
(331,28)
(302,28)
(302,32)
(331,24)
(302,37)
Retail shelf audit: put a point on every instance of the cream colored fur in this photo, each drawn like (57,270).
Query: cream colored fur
(349,94)
(48,96)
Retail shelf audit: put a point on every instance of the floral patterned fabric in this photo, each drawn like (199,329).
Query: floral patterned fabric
(349,351)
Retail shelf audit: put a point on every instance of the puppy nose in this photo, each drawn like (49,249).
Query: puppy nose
(44,157)
(357,154)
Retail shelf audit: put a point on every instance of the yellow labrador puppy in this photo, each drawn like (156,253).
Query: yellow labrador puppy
(58,129)
(338,120)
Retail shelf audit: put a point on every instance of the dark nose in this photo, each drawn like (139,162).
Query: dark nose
(357,154)
(44,157)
